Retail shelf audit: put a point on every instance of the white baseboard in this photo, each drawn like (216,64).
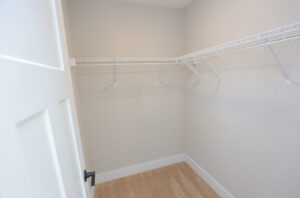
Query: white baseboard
(139,168)
(218,188)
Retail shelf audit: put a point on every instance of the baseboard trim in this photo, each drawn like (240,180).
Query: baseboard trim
(147,166)
(139,168)
(218,188)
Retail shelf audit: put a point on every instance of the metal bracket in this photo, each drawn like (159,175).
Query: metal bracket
(192,69)
(282,67)
(212,68)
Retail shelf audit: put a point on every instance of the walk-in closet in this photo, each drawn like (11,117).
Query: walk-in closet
(214,85)
(150,99)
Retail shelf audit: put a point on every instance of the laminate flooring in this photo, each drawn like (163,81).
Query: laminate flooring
(175,181)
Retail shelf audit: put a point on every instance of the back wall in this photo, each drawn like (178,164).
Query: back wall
(141,119)
(110,29)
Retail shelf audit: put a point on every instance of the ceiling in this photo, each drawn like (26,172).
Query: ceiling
(179,4)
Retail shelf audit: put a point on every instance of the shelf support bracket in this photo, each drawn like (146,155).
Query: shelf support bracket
(281,65)
(213,69)
(192,69)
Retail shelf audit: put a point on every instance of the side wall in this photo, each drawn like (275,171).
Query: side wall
(141,119)
(245,131)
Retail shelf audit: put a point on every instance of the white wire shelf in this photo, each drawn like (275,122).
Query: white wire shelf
(268,38)
(281,34)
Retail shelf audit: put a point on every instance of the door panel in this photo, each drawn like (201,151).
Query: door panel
(39,156)
(40,148)
(30,31)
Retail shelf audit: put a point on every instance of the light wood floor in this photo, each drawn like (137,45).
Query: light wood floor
(175,181)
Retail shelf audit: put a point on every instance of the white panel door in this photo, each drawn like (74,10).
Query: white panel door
(40,148)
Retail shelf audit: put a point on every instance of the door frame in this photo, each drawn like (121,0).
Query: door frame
(65,63)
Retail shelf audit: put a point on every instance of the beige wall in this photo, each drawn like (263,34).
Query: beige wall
(245,132)
(104,28)
(135,122)
(139,120)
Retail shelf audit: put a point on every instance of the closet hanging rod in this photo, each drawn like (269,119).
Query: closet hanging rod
(127,64)
(151,59)
(121,61)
